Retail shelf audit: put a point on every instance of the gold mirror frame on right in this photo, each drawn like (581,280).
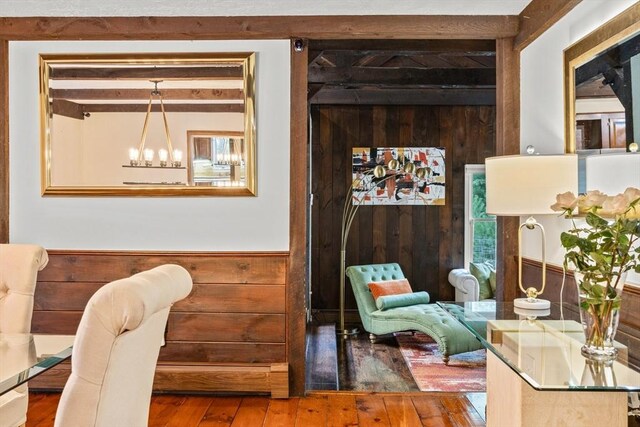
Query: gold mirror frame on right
(623,26)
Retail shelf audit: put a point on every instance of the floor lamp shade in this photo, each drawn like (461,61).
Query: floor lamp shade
(528,185)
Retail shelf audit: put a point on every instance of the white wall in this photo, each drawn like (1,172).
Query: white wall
(153,223)
(542,99)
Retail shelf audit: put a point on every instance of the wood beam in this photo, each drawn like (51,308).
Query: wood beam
(260,27)
(403,76)
(66,108)
(4,141)
(407,47)
(507,142)
(538,17)
(298,191)
(169,108)
(207,94)
(144,73)
(399,96)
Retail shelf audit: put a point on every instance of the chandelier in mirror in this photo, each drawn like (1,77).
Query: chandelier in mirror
(122,124)
(137,155)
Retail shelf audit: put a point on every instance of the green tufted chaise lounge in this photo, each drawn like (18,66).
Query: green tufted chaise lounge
(447,332)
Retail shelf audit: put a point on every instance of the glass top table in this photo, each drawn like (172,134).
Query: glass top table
(545,350)
(24,356)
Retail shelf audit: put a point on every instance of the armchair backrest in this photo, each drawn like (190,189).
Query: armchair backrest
(116,349)
(361,275)
(19,266)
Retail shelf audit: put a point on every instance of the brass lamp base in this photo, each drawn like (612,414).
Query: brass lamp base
(347,333)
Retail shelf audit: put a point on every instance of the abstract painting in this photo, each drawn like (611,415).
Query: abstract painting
(424,186)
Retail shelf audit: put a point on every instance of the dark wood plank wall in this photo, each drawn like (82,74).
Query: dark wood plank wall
(427,241)
(234,316)
(629,326)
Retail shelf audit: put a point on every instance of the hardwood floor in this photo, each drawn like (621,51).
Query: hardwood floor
(317,409)
(355,364)
(376,389)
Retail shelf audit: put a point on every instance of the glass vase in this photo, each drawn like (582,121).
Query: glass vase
(599,304)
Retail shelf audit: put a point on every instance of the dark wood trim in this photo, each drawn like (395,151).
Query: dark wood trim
(404,76)
(4,141)
(409,47)
(167,94)
(538,17)
(260,27)
(296,279)
(155,108)
(227,72)
(65,108)
(241,378)
(400,96)
(194,254)
(507,142)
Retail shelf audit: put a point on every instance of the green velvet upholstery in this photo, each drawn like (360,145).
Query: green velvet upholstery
(447,332)
(402,300)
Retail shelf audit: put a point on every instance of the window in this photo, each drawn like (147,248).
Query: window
(480,228)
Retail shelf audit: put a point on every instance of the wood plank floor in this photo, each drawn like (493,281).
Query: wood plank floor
(317,409)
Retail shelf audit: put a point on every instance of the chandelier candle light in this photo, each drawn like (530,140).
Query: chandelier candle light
(143,157)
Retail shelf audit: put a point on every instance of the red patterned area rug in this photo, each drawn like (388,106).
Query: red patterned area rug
(465,372)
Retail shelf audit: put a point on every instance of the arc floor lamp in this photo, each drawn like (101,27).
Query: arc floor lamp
(379,175)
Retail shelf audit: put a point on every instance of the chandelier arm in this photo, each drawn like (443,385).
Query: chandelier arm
(145,127)
(166,128)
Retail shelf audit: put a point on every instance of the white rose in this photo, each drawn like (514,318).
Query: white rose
(565,202)
(631,194)
(593,199)
(614,206)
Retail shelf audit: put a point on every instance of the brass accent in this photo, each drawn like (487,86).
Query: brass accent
(612,32)
(530,224)
(349,211)
(242,59)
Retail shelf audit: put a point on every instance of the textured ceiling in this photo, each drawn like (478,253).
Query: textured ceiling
(258,7)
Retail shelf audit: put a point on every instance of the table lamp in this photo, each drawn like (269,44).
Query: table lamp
(528,185)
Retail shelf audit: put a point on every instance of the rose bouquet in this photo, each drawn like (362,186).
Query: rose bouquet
(602,250)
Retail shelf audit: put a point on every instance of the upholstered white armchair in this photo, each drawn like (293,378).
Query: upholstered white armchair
(116,349)
(475,284)
(19,266)
(466,285)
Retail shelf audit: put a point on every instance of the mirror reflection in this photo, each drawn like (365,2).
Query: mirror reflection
(602,92)
(605,103)
(148,124)
(217,158)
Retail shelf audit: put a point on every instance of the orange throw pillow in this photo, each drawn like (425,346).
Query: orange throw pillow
(390,287)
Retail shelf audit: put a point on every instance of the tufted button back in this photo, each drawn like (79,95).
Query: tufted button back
(19,266)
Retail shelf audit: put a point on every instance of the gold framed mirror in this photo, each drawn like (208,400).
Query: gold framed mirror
(599,100)
(124,124)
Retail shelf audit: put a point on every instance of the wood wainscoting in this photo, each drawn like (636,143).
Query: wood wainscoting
(629,326)
(228,335)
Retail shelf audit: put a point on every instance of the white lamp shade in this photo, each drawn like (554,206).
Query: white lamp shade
(612,173)
(528,185)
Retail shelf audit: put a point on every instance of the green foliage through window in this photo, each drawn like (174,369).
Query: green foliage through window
(484,225)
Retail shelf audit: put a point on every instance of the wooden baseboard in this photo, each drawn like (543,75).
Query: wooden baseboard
(269,379)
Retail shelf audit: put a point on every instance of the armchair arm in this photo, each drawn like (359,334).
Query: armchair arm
(467,286)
